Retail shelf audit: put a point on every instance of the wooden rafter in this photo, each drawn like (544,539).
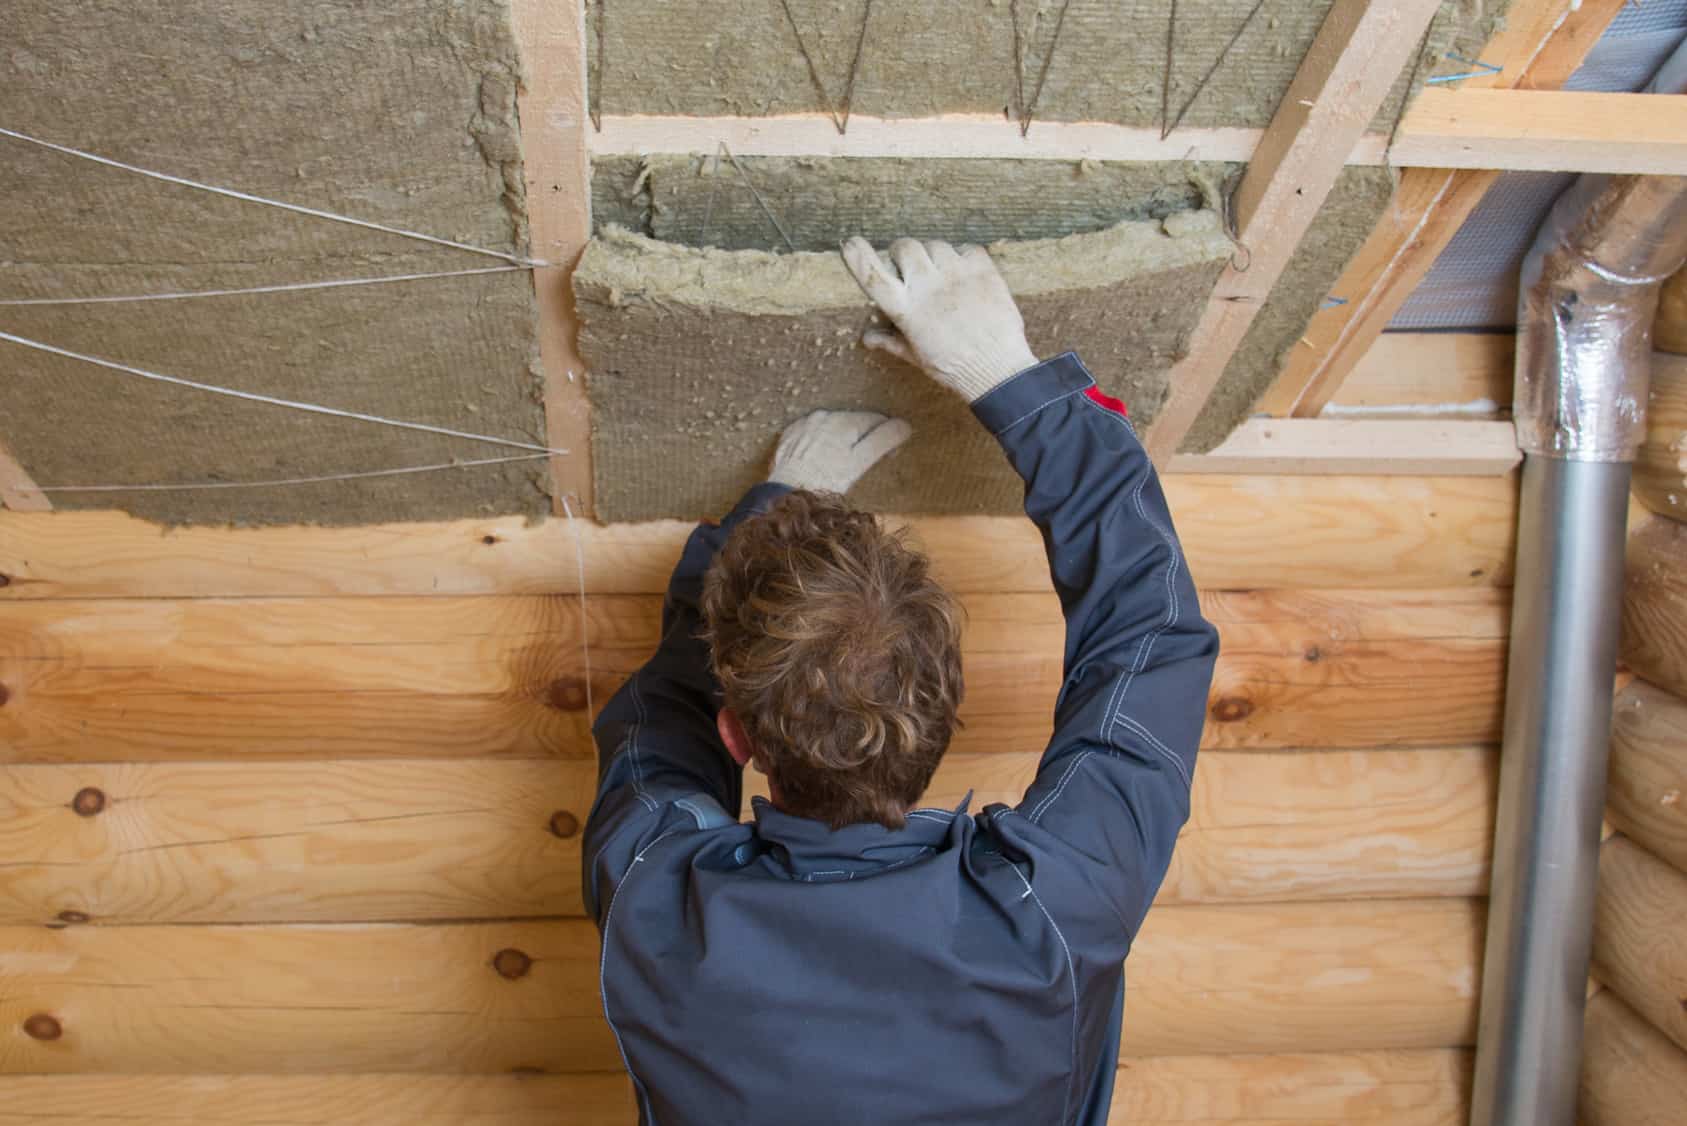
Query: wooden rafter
(1543,43)
(1515,130)
(1360,49)
(552,106)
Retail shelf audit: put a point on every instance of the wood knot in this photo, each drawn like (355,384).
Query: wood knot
(5,694)
(73,916)
(5,580)
(1232,709)
(88,801)
(43,1027)
(511,963)
(568,693)
(1313,654)
(564,824)
(488,539)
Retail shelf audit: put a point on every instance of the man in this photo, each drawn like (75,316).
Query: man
(849,957)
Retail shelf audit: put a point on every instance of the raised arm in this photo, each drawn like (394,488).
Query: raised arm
(1112,790)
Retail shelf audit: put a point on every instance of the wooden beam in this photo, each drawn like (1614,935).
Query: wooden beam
(1445,128)
(1351,446)
(1360,49)
(1631,1074)
(430,840)
(1287,977)
(551,102)
(1654,638)
(1239,532)
(1545,131)
(298,679)
(1647,796)
(1660,471)
(1640,935)
(1391,1088)
(17,488)
(1540,46)
(1398,974)
(1420,375)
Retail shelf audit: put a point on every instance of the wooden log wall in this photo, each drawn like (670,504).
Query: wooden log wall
(290,818)
(1634,1068)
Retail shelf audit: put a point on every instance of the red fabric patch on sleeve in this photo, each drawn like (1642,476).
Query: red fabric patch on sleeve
(1106,402)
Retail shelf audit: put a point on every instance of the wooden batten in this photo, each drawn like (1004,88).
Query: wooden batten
(491,997)
(1647,790)
(1660,471)
(1394,1088)
(1544,131)
(557,174)
(1631,1074)
(428,840)
(1640,935)
(199,679)
(1654,641)
(1459,448)
(1240,533)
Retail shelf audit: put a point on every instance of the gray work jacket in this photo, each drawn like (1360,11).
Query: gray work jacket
(966,968)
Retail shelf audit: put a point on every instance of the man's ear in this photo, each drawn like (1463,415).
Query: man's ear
(732,733)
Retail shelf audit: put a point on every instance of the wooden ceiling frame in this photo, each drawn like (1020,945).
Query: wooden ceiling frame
(1360,49)
(1542,44)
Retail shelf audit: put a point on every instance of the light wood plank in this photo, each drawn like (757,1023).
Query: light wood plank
(1540,46)
(551,102)
(1631,1074)
(1640,935)
(1647,792)
(1660,470)
(1545,131)
(122,680)
(1424,375)
(422,840)
(1654,639)
(1348,70)
(1399,1088)
(1467,127)
(1247,532)
(1347,446)
(286,1000)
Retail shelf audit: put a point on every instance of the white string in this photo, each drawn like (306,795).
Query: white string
(185,487)
(585,643)
(294,404)
(339,283)
(249,198)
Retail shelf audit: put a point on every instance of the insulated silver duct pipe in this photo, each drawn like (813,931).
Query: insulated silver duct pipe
(1589,292)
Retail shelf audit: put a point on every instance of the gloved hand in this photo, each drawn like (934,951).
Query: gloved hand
(956,317)
(828,451)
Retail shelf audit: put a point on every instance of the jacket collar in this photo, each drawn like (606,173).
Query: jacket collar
(813,850)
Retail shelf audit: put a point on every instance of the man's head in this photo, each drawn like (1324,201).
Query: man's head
(839,658)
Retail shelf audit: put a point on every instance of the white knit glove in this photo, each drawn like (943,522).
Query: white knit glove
(956,317)
(828,451)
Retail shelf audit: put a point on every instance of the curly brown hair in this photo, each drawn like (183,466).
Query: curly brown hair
(839,654)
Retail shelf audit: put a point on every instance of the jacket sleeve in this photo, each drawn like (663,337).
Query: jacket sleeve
(1112,790)
(661,762)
